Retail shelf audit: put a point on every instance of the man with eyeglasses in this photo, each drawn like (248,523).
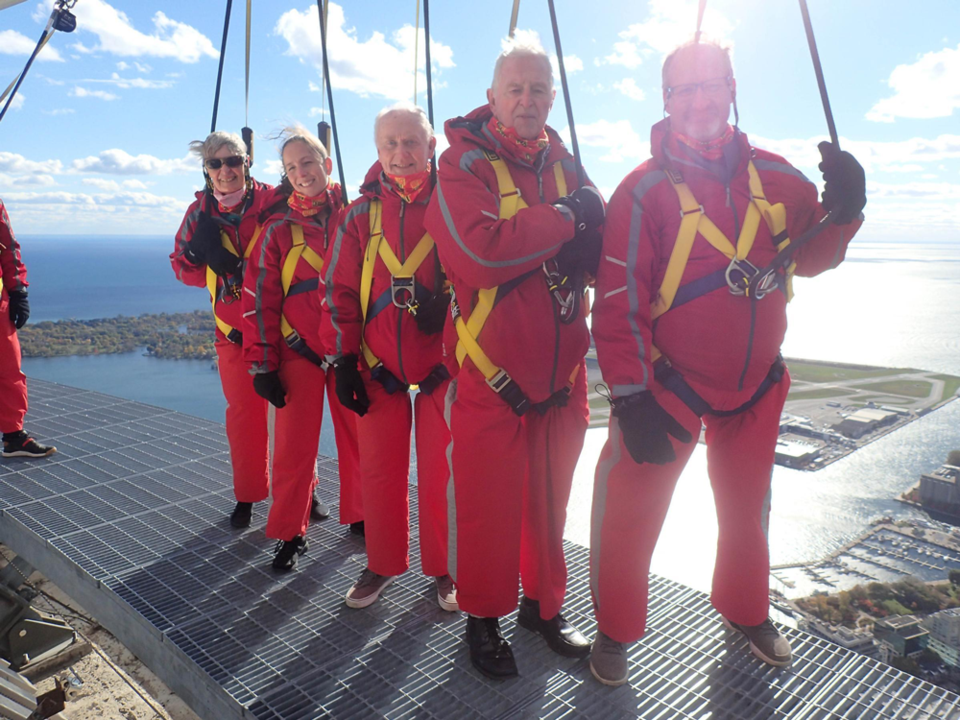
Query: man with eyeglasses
(688,323)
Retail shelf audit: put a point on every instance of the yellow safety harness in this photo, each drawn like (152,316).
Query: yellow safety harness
(694,221)
(468,331)
(230,332)
(402,281)
(299,251)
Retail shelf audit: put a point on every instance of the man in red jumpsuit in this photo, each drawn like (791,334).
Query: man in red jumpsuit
(505,204)
(677,343)
(389,318)
(281,343)
(14,311)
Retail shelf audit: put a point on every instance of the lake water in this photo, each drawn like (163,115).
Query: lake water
(889,304)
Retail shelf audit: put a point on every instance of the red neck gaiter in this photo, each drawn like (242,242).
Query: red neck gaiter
(707,149)
(410,187)
(307,206)
(520,148)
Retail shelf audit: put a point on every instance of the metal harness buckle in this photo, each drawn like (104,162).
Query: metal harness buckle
(400,285)
(740,275)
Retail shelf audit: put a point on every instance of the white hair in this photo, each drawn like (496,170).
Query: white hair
(206,149)
(404,107)
(524,43)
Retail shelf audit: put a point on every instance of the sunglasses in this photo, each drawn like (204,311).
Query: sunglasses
(233,161)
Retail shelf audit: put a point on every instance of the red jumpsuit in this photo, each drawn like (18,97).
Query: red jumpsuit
(246,416)
(512,475)
(721,346)
(295,429)
(13,383)
(392,335)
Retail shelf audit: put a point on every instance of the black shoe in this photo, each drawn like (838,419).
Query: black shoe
(19,444)
(240,517)
(357,529)
(489,652)
(318,508)
(562,637)
(288,551)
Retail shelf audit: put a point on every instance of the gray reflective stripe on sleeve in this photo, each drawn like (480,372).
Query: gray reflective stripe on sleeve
(642,187)
(358,209)
(470,157)
(600,506)
(258,302)
(774,166)
(448,401)
(622,390)
(452,229)
(271,442)
(765,509)
(568,164)
(840,247)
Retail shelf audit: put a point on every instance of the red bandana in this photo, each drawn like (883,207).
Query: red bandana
(307,206)
(409,187)
(708,149)
(521,148)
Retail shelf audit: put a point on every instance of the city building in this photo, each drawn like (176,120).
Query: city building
(865,420)
(939,489)
(900,636)
(944,629)
(794,452)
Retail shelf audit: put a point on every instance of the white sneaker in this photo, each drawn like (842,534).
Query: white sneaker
(446,593)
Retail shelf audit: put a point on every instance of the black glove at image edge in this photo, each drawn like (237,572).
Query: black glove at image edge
(844,189)
(19,308)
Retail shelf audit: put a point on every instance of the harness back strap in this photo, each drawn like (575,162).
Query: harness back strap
(225,328)
(376,248)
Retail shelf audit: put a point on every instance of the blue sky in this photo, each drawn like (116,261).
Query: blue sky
(98,141)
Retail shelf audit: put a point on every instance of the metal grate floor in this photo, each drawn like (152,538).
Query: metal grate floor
(130,519)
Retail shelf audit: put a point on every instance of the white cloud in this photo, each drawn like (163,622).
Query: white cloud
(120,212)
(624,53)
(14,163)
(670,24)
(928,88)
(102,184)
(59,111)
(134,184)
(374,66)
(21,180)
(912,153)
(619,139)
(13,43)
(120,162)
(127,83)
(571,63)
(319,112)
(628,86)
(116,35)
(121,66)
(83,92)
(17,102)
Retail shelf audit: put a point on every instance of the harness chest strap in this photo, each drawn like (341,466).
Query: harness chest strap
(299,250)
(212,278)
(404,271)
(468,331)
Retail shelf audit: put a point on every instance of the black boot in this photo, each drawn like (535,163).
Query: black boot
(562,637)
(288,551)
(489,652)
(358,529)
(240,517)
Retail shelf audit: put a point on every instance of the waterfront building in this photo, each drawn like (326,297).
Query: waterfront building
(796,453)
(900,636)
(944,629)
(860,641)
(865,420)
(939,490)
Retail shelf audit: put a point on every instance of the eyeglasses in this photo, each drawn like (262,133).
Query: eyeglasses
(714,86)
(232,161)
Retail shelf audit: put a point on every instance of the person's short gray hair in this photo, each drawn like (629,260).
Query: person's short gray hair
(404,107)
(722,49)
(206,149)
(298,133)
(524,43)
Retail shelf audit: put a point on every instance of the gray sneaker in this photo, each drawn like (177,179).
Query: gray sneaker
(608,660)
(367,589)
(446,593)
(766,642)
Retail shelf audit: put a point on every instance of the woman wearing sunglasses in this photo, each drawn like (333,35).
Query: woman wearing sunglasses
(211,246)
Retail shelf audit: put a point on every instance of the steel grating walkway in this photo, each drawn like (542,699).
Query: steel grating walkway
(130,519)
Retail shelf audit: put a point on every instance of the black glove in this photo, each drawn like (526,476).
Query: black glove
(432,314)
(351,392)
(19,308)
(222,261)
(435,379)
(845,188)
(205,237)
(582,252)
(587,207)
(267,385)
(645,427)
